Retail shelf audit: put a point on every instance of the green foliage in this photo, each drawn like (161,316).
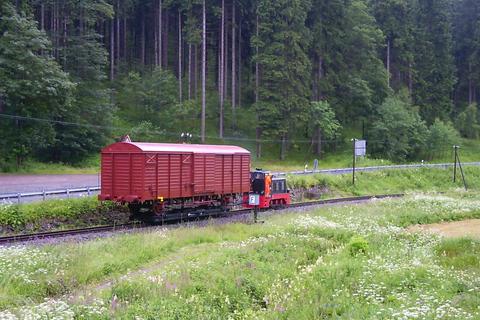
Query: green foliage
(345,44)
(441,137)
(323,116)
(283,42)
(150,97)
(31,84)
(467,49)
(322,50)
(434,63)
(31,216)
(468,122)
(398,133)
(357,245)
(385,182)
(86,60)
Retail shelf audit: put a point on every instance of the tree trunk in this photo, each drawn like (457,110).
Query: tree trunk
(180,56)
(258,130)
(410,79)
(112,50)
(64,40)
(159,57)
(54,29)
(470,84)
(195,72)
(240,65)
(204,68)
(388,61)
(225,70)
(234,75)
(165,50)
(155,37)
(142,37)
(190,71)
(318,147)
(124,55)
(283,148)
(42,16)
(221,73)
(117,34)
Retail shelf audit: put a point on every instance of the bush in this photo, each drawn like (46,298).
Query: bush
(467,122)
(18,216)
(441,137)
(398,133)
(357,245)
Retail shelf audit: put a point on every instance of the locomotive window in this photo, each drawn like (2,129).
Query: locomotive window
(279,186)
(258,186)
(257,176)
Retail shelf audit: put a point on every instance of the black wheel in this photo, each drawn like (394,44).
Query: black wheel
(134,208)
(158,208)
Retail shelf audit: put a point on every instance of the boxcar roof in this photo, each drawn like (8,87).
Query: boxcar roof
(122,147)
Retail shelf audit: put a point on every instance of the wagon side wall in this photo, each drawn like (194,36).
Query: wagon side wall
(129,176)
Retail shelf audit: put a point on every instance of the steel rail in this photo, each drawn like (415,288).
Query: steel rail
(133,225)
(66,233)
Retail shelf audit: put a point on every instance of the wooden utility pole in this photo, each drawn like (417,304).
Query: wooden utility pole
(204,69)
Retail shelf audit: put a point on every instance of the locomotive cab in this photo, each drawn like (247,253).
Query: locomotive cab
(258,182)
(273,191)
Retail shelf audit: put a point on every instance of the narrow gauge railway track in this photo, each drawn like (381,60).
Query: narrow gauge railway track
(177,218)
(66,233)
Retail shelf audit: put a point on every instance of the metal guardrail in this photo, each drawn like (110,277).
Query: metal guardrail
(90,190)
(45,193)
(376,168)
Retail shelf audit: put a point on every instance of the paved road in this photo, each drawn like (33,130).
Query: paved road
(34,183)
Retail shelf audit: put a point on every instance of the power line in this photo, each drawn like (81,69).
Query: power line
(176,135)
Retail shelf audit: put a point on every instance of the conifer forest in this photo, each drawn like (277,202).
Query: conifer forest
(280,76)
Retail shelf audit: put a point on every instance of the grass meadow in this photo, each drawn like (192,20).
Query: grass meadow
(337,262)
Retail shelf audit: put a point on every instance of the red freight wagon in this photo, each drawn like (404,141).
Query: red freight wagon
(159,177)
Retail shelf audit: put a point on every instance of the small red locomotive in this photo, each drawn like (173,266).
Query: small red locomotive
(267,190)
(162,180)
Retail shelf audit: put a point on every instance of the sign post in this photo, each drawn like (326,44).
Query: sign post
(254,200)
(359,150)
(354,159)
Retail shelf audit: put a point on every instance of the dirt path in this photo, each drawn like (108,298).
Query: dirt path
(86,295)
(466,228)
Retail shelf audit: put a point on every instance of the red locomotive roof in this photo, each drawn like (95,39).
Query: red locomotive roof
(173,148)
